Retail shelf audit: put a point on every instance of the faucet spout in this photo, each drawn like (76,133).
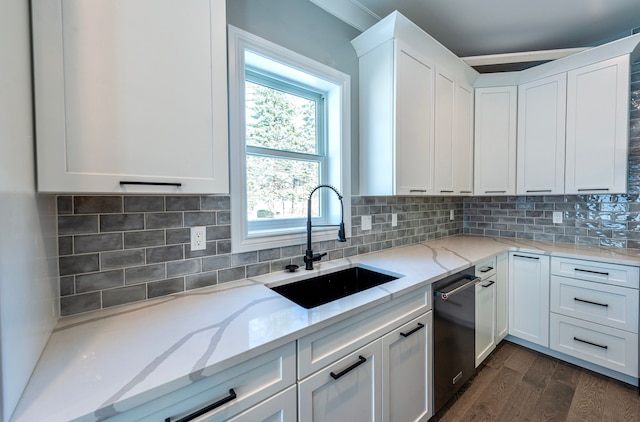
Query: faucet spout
(309,256)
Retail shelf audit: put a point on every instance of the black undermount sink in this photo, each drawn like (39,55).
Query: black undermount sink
(326,288)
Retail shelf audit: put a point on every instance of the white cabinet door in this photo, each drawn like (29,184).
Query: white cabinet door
(495,141)
(407,355)
(485,318)
(414,124)
(502,296)
(597,127)
(444,129)
(529,297)
(463,140)
(541,136)
(131,91)
(453,136)
(347,390)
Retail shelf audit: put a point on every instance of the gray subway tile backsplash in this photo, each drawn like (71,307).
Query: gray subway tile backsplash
(148,245)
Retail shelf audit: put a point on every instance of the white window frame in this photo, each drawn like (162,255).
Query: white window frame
(308,72)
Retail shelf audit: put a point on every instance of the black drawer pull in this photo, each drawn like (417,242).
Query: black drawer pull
(488,284)
(590,271)
(124,182)
(495,191)
(528,257)
(590,302)
(486,269)
(466,191)
(420,326)
(446,191)
(593,344)
(209,408)
(594,189)
(538,190)
(417,190)
(361,360)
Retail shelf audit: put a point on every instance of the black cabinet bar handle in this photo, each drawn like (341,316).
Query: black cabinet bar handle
(446,191)
(590,271)
(361,360)
(528,257)
(495,191)
(126,182)
(486,269)
(598,189)
(420,326)
(593,344)
(209,408)
(538,190)
(488,284)
(590,302)
(465,191)
(417,190)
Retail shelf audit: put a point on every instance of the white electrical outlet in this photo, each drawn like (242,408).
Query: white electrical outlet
(366,222)
(198,238)
(394,220)
(557,217)
(451,215)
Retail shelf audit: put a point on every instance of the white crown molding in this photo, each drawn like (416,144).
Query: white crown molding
(521,57)
(350,11)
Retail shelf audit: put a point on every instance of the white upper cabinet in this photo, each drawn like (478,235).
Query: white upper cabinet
(541,136)
(598,127)
(495,141)
(396,121)
(131,91)
(453,136)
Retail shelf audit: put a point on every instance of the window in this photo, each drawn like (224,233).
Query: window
(289,131)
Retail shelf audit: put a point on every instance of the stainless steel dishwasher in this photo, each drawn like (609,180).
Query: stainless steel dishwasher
(453,334)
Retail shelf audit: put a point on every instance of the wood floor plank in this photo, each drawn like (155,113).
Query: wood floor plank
(520,405)
(621,402)
(540,372)
(588,400)
(567,373)
(521,360)
(499,356)
(554,403)
(494,397)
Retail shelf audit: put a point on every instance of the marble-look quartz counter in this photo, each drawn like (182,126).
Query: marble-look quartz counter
(106,362)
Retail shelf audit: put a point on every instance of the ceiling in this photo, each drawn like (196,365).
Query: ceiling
(484,27)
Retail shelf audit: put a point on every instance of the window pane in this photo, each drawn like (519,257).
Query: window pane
(279,187)
(279,120)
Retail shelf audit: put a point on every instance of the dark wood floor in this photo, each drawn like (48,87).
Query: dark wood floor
(518,384)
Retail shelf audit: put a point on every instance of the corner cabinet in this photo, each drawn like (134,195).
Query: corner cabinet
(131,91)
(598,127)
(396,126)
(495,141)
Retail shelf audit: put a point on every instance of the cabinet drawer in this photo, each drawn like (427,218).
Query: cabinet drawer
(486,268)
(613,306)
(252,381)
(602,272)
(323,347)
(608,347)
(283,407)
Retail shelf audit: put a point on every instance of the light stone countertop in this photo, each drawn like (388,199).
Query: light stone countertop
(105,362)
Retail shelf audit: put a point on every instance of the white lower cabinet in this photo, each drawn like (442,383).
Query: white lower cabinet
(407,372)
(529,297)
(225,394)
(485,318)
(374,366)
(348,390)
